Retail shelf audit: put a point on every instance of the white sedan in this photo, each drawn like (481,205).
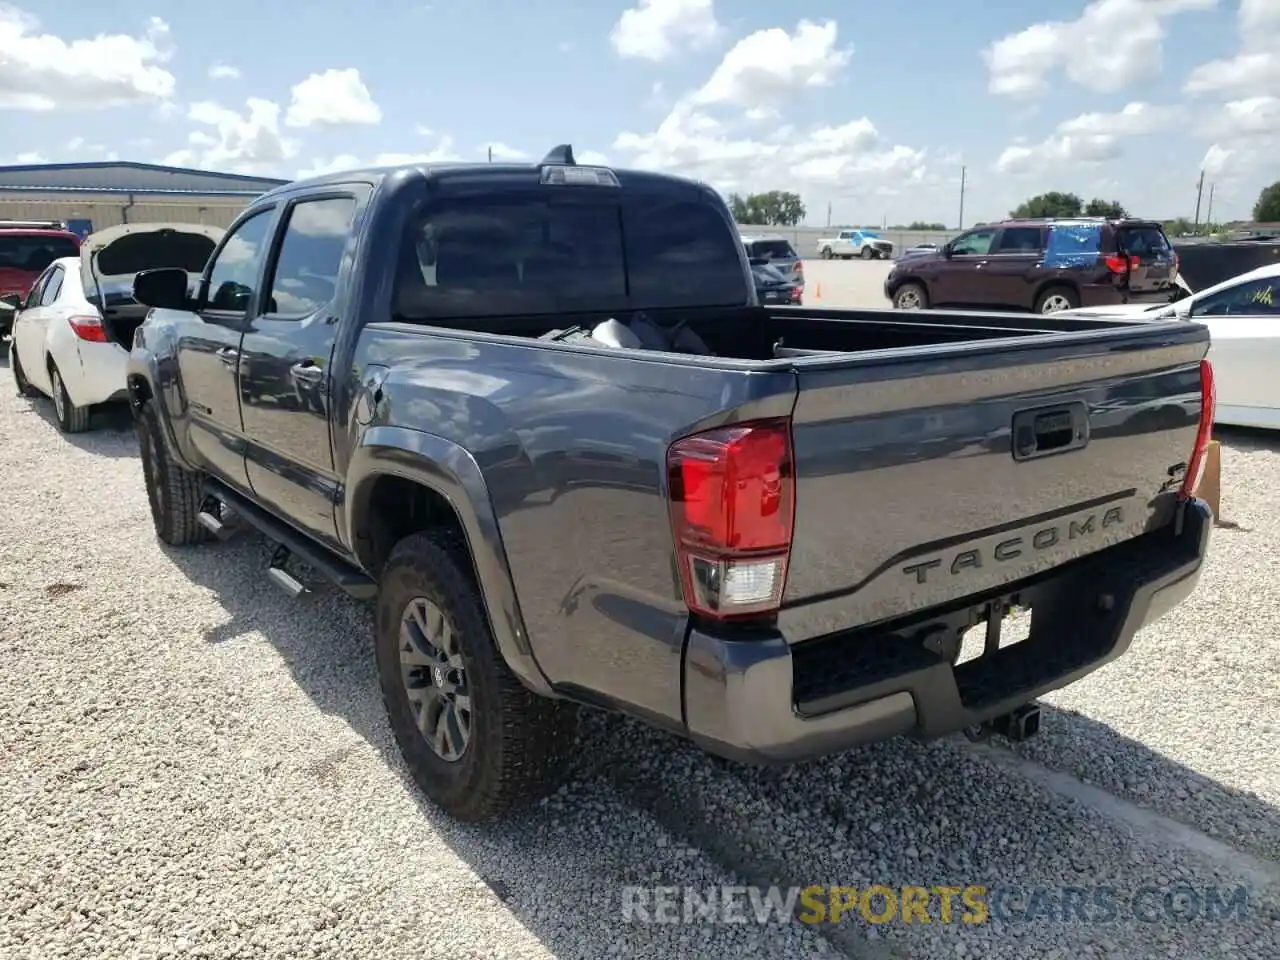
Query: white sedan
(1243,317)
(72,336)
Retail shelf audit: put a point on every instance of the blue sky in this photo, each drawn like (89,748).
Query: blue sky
(871,108)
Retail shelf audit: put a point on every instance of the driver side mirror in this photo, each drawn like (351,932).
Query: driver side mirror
(12,300)
(163,287)
(947,251)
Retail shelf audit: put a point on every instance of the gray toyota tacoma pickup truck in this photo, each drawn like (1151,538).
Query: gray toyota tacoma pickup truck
(536,415)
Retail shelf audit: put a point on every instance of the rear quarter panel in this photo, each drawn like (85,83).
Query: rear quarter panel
(572,446)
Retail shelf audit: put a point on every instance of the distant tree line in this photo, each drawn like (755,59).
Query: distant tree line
(777,208)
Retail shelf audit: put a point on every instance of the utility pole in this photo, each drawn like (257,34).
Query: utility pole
(491,154)
(828,213)
(1199,194)
(963,171)
(1208,217)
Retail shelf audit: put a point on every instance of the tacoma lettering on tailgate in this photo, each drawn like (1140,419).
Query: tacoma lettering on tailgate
(1014,547)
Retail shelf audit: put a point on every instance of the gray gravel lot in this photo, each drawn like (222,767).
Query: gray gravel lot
(191,764)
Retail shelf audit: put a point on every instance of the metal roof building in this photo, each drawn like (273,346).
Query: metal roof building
(114,192)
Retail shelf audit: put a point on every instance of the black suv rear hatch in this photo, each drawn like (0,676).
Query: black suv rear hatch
(1152,265)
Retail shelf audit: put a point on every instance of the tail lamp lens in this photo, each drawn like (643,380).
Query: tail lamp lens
(1208,405)
(89,328)
(732,503)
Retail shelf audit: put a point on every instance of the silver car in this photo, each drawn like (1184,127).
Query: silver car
(778,252)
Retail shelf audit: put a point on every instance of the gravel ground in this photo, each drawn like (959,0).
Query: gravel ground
(192,764)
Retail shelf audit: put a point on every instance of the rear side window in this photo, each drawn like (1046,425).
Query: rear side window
(527,254)
(772,250)
(1145,241)
(1254,298)
(32,252)
(1018,240)
(306,271)
(1073,244)
(52,287)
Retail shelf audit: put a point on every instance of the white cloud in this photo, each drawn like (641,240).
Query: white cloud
(40,71)
(1255,69)
(227,140)
(770,65)
(443,152)
(658,29)
(1112,44)
(332,99)
(1088,138)
(222,71)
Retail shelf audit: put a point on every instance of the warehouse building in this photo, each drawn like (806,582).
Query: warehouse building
(90,196)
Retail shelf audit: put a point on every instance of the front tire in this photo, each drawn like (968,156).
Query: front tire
(868,253)
(71,419)
(173,491)
(475,740)
(911,296)
(25,389)
(826,253)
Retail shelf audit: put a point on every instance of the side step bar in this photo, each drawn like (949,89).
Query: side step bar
(342,574)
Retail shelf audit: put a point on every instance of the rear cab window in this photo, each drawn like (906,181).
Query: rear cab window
(540,251)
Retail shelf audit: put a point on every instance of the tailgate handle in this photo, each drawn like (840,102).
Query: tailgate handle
(1048,430)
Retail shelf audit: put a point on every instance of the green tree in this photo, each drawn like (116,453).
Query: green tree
(919,225)
(1052,204)
(1097,207)
(777,208)
(1267,209)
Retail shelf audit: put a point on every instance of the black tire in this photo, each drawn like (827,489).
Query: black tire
(826,253)
(25,389)
(519,742)
(1052,296)
(173,491)
(903,297)
(868,253)
(71,419)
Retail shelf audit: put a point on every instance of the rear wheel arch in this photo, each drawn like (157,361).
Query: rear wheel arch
(393,496)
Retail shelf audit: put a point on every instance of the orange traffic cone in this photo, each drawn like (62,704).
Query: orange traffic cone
(817,291)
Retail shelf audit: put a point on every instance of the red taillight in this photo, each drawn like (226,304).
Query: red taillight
(795,294)
(799,267)
(1208,403)
(89,328)
(732,498)
(1118,263)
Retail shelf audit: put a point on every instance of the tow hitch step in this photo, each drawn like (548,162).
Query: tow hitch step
(1020,724)
(281,577)
(210,517)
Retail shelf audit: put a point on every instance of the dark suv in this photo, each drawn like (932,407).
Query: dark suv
(1041,265)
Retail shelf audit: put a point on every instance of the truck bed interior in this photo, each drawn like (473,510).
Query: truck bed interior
(760,333)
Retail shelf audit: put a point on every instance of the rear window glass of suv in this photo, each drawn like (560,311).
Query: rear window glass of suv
(33,252)
(470,257)
(1144,241)
(772,250)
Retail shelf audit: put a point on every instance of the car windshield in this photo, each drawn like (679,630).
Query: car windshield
(33,252)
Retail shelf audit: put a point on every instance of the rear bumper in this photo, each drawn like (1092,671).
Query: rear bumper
(102,372)
(766,701)
(1106,295)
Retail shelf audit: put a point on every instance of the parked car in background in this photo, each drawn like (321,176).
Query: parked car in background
(1243,317)
(27,247)
(848,244)
(927,247)
(772,286)
(72,336)
(778,253)
(1041,265)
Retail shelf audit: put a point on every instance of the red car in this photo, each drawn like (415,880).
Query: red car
(25,250)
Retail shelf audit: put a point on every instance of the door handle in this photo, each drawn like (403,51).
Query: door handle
(980,264)
(228,355)
(307,371)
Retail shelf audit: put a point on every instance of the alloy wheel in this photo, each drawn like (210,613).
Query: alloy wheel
(435,679)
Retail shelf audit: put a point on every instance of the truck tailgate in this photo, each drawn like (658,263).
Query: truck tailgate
(932,474)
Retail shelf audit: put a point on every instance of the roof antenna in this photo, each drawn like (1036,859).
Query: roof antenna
(562,154)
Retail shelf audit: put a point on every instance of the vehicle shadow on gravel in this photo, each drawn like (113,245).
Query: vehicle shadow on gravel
(110,432)
(845,808)
(559,868)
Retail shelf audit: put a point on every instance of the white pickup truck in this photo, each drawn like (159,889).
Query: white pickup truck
(847,244)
